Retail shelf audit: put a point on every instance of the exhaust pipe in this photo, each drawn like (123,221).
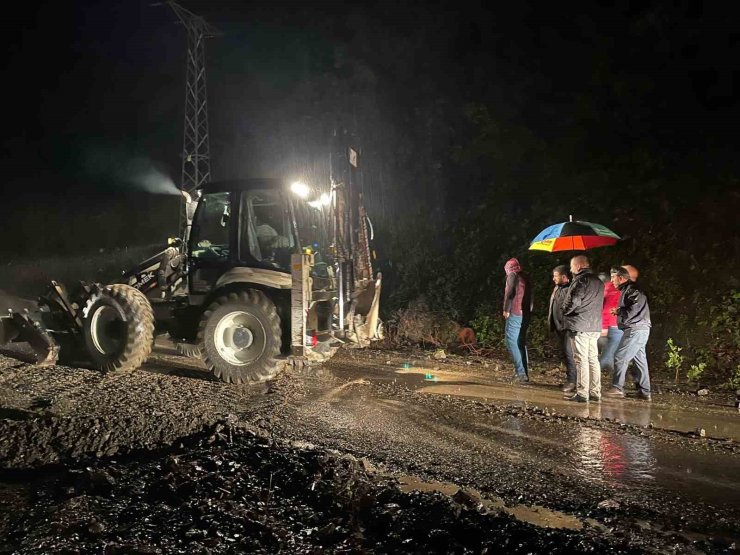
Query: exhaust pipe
(190,206)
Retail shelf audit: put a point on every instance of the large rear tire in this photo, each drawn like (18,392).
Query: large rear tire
(188,350)
(118,328)
(239,337)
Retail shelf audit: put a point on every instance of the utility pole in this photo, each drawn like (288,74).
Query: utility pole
(196,156)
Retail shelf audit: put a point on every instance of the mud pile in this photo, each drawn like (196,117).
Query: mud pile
(233,490)
(57,414)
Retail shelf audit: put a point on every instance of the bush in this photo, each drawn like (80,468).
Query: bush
(489,328)
(721,339)
(735,378)
(696,371)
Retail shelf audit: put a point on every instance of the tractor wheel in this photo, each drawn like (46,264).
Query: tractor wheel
(188,350)
(239,337)
(118,328)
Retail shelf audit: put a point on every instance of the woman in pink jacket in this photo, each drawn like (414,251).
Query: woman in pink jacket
(611,335)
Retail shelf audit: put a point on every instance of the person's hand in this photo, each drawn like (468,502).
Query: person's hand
(613,311)
(506,314)
(604,333)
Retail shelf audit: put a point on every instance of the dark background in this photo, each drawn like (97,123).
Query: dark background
(478,125)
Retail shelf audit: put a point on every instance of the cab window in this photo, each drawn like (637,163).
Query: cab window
(210,233)
(265,228)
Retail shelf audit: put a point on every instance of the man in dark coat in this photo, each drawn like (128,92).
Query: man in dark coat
(582,310)
(633,317)
(517,310)
(556,322)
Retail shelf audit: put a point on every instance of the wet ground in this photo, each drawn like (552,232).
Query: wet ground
(625,473)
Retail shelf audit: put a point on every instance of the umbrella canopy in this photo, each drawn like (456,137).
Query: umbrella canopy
(573,236)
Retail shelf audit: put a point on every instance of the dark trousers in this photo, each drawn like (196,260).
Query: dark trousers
(566,352)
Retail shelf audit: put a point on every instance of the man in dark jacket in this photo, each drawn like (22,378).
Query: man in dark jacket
(556,322)
(517,310)
(633,317)
(582,311)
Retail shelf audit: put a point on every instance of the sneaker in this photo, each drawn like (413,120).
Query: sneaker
(615,392)
(575,397)
(596,398)
(568,387)
(520,379)
(644,396)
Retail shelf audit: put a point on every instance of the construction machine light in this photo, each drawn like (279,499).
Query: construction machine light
(301,189)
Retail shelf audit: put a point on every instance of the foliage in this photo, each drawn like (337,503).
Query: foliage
(735,378)
(719,342)
(696,371)
(489,328)
(674,358)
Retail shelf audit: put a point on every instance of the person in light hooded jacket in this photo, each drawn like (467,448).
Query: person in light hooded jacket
(517,310)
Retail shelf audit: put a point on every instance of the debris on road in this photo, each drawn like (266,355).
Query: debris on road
(609,504)
(234,490)
(439,354)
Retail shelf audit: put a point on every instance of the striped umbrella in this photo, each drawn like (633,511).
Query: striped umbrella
(573,236)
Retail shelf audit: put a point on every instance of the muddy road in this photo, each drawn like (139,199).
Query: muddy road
(381,451)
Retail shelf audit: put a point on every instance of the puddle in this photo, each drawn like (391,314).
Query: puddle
(411,375)
(621,460)
(534,514)
(718,422)
(600,456)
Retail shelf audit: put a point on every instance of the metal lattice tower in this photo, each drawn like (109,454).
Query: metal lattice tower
(196,156)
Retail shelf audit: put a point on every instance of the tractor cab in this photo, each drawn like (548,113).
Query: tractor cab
(241,223)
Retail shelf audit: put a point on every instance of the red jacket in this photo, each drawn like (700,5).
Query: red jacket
(518,290)
(611,300)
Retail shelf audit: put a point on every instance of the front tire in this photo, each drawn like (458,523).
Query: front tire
(239,337)
(118,328)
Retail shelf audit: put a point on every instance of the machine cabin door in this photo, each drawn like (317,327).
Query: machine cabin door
(212,241)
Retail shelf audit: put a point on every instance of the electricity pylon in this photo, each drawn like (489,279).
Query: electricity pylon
(196,156)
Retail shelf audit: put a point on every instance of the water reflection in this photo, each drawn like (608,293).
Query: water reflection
(641,415)
(613,459)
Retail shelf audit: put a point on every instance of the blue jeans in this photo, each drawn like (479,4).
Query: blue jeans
(632,347)
(516,342)
(613,337)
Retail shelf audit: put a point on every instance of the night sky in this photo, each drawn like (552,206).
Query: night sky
(94,90)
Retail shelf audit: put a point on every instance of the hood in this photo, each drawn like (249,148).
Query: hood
(512,266)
